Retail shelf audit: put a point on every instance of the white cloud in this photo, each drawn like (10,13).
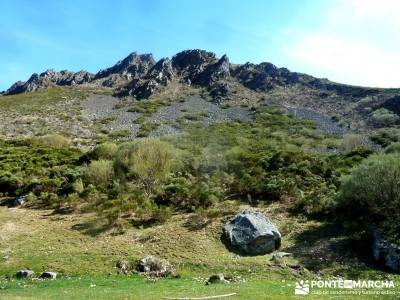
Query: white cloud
(357,43)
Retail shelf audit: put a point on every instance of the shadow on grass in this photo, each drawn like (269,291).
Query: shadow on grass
(8,201)
(92,228)
(330,246)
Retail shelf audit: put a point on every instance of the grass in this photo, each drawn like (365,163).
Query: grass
(147,108)
(147,128)
(54,110)
(136,287)
(85,251)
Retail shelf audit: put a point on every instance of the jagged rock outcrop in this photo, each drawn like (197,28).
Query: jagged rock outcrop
(133,66)
(264,76)
(214,72)
(160,74)
(197,67)
(49,78)
(190,63)
(139,75)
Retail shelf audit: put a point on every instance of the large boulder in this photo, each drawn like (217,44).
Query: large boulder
(385,253)
(251,233)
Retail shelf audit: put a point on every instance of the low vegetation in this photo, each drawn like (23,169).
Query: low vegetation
(275,158)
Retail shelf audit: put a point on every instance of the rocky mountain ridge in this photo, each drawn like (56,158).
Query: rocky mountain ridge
(139,76)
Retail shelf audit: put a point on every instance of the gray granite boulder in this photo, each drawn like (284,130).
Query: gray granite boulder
(20,200)
(385,253)
(251,233)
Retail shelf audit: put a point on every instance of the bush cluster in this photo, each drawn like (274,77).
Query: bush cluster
(274,158)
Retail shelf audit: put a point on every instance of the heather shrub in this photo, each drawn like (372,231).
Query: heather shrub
(147,163)
(371,193)
(99,173)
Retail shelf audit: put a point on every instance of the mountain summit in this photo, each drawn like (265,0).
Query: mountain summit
(140,76)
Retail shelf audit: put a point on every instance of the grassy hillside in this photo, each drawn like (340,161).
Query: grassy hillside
(112,180)
(85,254)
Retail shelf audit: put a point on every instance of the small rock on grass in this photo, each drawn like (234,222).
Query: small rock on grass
(24,273)
(216,278)
(49,275)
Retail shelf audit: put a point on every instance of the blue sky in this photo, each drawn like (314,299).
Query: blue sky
(350,41)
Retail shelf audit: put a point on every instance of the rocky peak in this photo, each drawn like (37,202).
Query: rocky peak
(134,65)
(264,76)
(214,72)
(191,62)
(160,74)
(162,71)
(49,78)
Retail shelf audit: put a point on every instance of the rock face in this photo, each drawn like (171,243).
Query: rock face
(385,253)
(251,233)
(214,72)
(160,74)
(264,76)
(49,78)
(190,63)
(133,66)
(140,76)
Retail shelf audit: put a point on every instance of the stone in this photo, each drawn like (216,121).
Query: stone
(137,65)
(251,233)
(154,266)
(214,72)
(20,200)
(385,253)
(219,91)
(216,278)
(280,255)
(49,275)
(162,71)
(49,78)
(24,273)
(160,74)
(192,62)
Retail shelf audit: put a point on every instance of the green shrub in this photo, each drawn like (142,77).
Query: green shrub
(146,162)
(146,129)
(55,141)
(384,117)
(99,173)
(393,148)
(105,151)
(11,184)
(371,193)
(353,142)
(386,136)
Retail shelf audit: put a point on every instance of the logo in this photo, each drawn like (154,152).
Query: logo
(302,287)
(344,287)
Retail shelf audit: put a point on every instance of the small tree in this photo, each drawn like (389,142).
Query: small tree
(146,162)
(104,151)
(99,173)
(385,117)
(353,142)
(371,193)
